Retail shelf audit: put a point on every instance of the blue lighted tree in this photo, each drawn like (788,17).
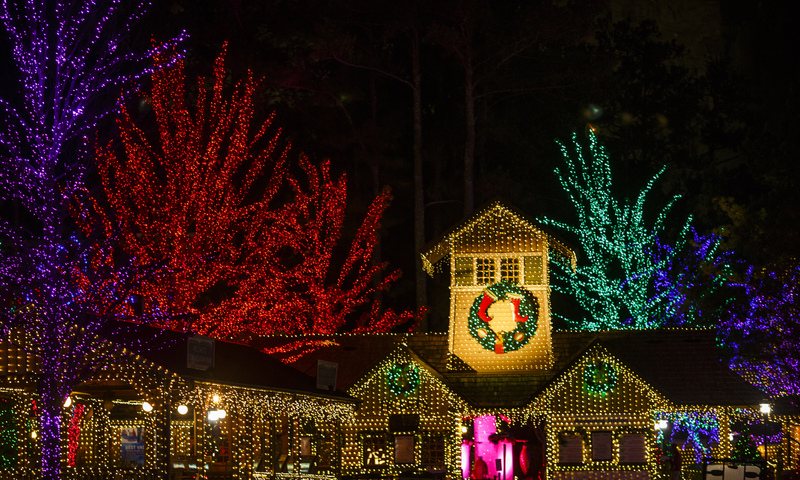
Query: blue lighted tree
(630,277)
(70,57)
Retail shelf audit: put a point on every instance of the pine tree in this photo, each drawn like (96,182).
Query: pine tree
(246,240)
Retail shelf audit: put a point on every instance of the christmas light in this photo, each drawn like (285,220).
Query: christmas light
(69,57)
(246,245)
(629,278)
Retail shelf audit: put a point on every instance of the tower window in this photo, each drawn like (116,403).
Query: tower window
(509,270)
(484,271)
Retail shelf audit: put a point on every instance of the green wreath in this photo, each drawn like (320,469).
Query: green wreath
(600,377)
(402,378)
(526,314)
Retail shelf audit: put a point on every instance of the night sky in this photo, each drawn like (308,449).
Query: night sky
(708,89)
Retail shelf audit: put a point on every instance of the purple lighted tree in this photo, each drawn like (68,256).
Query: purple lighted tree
(70,57)
(761,330)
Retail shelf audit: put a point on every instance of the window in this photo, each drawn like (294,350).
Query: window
(464,268)
(509,270)
(534,271)
(433,450)
(484,271)
(375,449)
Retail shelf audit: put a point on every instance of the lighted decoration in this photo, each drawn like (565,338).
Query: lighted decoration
(248,237)
(74,432)
(761,329)
(625,281)
(8,435)
(439,415)
(526,314)
(70,57)
(403,379)
(600,377)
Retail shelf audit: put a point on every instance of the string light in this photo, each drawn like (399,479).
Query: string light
(499,259)
(69,56)
(630,278)
(269,257)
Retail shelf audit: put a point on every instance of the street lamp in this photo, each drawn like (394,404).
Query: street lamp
(765,411)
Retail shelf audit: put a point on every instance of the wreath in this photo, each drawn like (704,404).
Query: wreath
(402,378)
(526,314)
(600,377)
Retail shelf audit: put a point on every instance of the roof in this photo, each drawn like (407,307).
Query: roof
(438,248)
(684,366)
(681,364)
(234,364)
(354,353)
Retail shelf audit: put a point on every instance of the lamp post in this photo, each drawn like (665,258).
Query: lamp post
(765,411)
(661,425)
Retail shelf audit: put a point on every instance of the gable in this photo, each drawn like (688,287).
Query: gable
(598,383)
(402,383)
(496,229)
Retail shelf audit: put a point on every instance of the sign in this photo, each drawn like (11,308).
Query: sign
(326,375)
(403,449)
(200,352)
(131,441)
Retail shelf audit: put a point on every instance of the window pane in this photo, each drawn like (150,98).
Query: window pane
(375,449)
(463,271)
(509,270)
(485,271)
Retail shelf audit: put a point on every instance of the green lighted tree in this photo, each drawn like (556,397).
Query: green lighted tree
(619,284)
(744,448)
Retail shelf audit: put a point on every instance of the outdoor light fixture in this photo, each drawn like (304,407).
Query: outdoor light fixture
(183,409)
(214,415)
(34,435)
(147,407)
(463,429)
(765,408)
(68,402)
(662,424)
(215,398)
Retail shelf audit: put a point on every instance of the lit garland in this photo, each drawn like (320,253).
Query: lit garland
(599,377)
(526,314)
(619,285)
(242,258)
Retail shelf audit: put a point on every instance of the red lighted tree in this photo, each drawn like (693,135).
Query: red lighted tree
(247,246)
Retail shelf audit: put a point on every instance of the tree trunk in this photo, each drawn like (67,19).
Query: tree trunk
(419,199)
(53,392)
(469,146)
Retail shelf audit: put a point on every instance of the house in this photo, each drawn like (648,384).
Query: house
(503,395)
(186,407)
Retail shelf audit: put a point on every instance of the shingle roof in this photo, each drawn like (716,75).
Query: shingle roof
(681,364)
(234,364)
(684,366)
